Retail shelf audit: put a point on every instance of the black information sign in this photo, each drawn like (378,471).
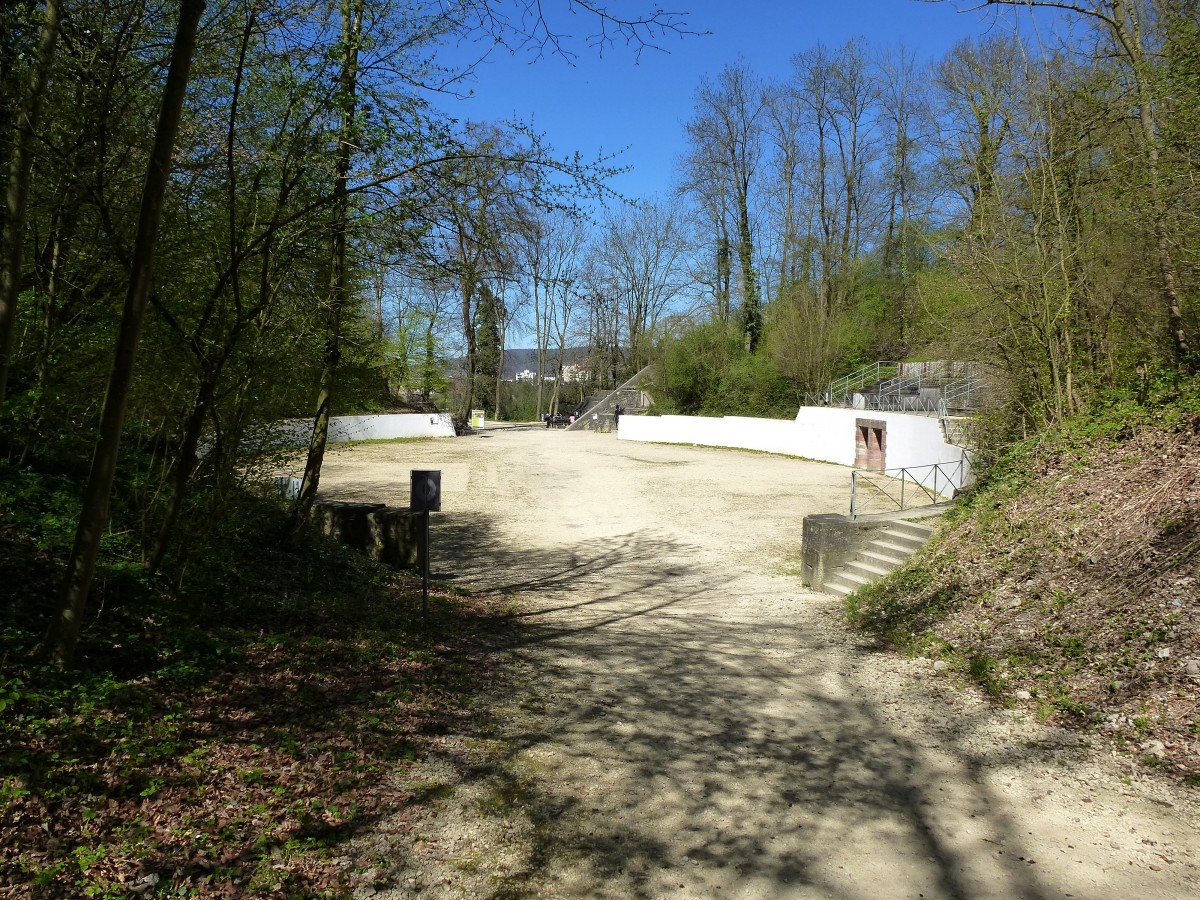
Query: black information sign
(426,494)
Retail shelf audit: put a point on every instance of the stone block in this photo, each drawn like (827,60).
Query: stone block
(391,536)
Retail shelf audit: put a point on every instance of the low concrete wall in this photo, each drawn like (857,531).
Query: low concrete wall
(818,432)
(831,540)
(298,432)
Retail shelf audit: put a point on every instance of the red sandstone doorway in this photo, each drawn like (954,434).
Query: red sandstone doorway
(870,444)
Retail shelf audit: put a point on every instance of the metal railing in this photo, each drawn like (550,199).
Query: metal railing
(907,403)
(851,384)
(964,393)
(900,384)
(627,395)
(893,386)
(910,486)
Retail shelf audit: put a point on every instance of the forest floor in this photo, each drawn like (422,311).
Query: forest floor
(674,714)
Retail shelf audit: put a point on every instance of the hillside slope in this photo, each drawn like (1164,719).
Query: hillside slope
(1070,583)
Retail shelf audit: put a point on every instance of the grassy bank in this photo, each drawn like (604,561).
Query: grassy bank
(1069,581)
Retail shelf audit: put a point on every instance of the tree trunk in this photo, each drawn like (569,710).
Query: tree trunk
(352,19)
(499,378)
(59,645)
(751,314)
(430,361)
(19,172)
(724,275)
(185,464)
(468,323)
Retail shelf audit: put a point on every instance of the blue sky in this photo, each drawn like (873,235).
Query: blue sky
(610,102)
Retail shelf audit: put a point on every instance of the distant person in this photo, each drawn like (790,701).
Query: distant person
(617,416)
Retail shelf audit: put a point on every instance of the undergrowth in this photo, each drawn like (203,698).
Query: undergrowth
(225,730)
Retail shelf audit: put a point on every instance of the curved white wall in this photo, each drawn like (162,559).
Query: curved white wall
(818,432)
(297,432)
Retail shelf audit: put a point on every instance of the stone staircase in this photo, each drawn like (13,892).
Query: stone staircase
(957,430)
(888,550)
(598,413)
(945,388)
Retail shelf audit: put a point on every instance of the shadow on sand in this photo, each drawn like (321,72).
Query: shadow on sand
(679,746)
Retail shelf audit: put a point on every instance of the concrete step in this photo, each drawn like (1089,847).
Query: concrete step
(851,579)
(833,586)
(916,530)
(894,546)
(897,544)
(867,569)
(884,559)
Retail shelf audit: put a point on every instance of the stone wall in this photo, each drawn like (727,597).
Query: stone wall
(831,540)
(391,536)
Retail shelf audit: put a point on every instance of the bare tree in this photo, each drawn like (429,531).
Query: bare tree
(853,103)
(785,199)
(643,253)
(482,195)
(975,96)
(726,135)
(838,95)
(902,108)
(551,268)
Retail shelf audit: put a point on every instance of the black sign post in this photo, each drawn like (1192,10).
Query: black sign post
(425,496)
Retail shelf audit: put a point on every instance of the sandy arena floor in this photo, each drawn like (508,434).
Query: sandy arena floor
(687,720)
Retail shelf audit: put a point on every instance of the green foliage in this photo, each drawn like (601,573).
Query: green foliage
(1039,587)
(871,329)
(752,386)
(489,355)
(413,357)
(37,526)
(694,366)
(1164,398)
(10,692)
(985,671)
(41,506)
(519,400)
(943,298)
(904,605)
(706,371)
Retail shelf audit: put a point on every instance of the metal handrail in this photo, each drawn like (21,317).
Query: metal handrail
(955,475)
(855,381)
(909,403)
(898,384)
(868,386)
(961,394)
(606,404)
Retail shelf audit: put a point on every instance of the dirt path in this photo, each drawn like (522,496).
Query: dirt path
(686,720)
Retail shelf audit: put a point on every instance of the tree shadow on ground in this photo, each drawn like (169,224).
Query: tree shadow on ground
(657,742)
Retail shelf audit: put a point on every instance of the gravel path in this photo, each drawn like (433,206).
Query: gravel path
(685,719)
